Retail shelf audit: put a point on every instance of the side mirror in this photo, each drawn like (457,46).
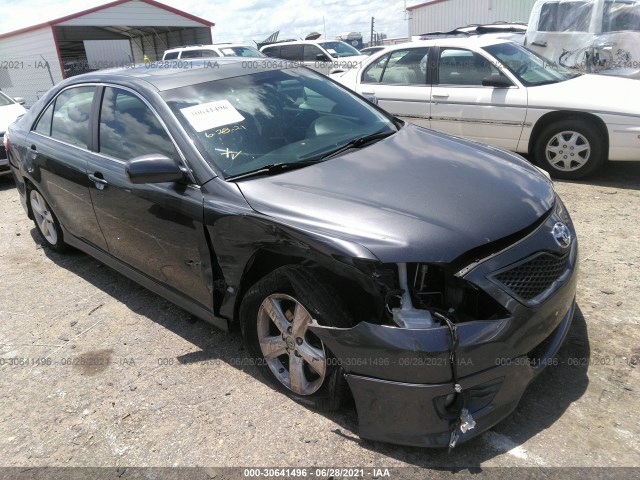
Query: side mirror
(321,57)
(496,81)
(19,100)
(154,168)
(371,98)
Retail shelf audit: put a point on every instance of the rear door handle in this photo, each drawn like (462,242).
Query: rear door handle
(442,95)
(97,179)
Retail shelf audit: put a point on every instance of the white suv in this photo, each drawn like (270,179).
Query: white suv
(211,51)
(325,56)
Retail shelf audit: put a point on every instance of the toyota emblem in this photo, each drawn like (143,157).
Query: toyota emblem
(561,234)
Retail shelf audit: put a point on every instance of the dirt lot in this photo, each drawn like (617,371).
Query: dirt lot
(174,392)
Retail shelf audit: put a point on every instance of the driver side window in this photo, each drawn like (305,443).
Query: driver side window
(463,67)
(128,128)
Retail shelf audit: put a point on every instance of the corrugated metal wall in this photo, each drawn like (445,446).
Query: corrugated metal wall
(450,14)
(31,64)
(124,14)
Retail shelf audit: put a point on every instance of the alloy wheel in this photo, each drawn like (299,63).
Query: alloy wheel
(295,356)
(43,217)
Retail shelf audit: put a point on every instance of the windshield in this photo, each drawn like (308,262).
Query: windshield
(241,51)
(339,49)
(530,68)
(246,123)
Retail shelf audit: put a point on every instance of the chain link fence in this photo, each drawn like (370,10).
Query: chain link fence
(28,76)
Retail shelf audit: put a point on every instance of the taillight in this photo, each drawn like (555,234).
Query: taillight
(6,142)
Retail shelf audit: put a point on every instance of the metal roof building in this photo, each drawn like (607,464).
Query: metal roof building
(446,15)
(115,34)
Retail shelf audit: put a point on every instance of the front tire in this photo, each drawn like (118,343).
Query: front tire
(275,315)
(570,149)
(46,222)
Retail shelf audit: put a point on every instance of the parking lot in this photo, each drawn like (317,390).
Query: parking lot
(97,371)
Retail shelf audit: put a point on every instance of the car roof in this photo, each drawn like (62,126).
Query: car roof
(476,41)
(166,75)
(297,42)
(210,45)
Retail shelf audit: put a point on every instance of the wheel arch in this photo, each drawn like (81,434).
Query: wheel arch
(358,292)
(552,117)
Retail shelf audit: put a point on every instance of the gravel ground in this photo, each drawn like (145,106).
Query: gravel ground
(173,391)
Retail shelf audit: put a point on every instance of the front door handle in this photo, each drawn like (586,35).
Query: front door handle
(442,95)
(34,152)
(97,179)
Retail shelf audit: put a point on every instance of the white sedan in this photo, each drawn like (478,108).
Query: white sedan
(10,109)
(498,92)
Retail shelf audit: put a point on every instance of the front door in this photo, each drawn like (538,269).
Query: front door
(462,106)
(155,228)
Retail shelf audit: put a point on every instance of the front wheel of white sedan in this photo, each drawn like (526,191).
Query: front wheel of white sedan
(570,149)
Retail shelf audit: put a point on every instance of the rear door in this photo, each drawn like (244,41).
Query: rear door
(155,228)
(462,106)
(59,145)
(399,81)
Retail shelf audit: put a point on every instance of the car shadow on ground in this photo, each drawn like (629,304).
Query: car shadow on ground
(542,404)
(624,175)
(6,183)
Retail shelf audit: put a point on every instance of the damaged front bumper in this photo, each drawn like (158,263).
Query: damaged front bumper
(402,379)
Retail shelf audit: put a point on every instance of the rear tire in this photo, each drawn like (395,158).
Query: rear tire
(275,314)
(570,149)
(47,223)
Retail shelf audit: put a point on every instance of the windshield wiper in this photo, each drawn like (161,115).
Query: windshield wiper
(273,168)
(355,143)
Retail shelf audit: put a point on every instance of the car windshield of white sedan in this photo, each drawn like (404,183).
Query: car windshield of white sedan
(276,118)
(339,49)
(531,69)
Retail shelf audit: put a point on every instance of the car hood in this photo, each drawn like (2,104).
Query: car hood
(415,196)
(590,93)
(8,115)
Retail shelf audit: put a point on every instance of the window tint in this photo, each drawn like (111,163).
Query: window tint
(620,16)
(209,53)
(565,17)
(44,124)
(191,54)
(71,116)
(463,67)
(128,128)
(291,52)
(272,51)
(373,73)
(408,67)
(171,55)
(311,52)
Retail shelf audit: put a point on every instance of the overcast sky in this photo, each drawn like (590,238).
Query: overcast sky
(244,20)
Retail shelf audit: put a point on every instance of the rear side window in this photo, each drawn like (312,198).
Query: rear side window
(565,17)
(402,67)
(291,52)
(170,56)
(44,124)
(128,127)
(191,54)
(272,51)
(71,114)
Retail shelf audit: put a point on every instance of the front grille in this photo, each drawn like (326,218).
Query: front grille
(533,277)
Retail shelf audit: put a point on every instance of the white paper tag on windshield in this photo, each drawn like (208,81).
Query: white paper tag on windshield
(228,51)
(211,115)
